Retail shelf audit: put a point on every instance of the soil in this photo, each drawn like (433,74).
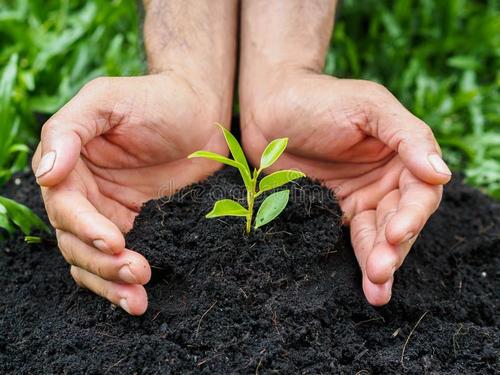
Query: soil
(286,299)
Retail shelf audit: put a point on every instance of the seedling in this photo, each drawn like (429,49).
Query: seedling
(16,215)
(275,203)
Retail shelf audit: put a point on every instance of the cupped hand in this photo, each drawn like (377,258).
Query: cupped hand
(116,144)
(383,162)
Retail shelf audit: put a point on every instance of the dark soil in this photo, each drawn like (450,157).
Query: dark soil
(286,299)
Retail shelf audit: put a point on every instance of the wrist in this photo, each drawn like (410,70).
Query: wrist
(262,84)
(217,99)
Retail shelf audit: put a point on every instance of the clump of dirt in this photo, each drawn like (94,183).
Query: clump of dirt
(286,299)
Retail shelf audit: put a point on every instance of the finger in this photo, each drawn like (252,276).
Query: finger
(127,267)
(406,134)
(384,258)
(89,114)
(377,294)
(369,196)
(419,201)
(363,233)
(69,210)
(132,298)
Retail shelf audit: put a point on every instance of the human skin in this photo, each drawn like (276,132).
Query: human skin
(122,141)
(383,162)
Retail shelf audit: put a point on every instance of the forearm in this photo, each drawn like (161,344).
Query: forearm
(196,38)
(278,34)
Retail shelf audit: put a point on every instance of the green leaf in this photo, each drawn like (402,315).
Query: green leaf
(216,157)
(22,216)
(3,210)
(271,207)
(235,148)
(272,152)
(238,155)
(227,207)
(222,159)
(277,179)
(6,224)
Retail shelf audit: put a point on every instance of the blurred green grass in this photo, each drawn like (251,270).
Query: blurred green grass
(440,58)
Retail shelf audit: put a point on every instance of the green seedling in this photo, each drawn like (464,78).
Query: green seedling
(33,240)
(275,203)
(16,215)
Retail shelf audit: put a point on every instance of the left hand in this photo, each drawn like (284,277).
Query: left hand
(383,162)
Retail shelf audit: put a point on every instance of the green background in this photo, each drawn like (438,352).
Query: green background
(440,58)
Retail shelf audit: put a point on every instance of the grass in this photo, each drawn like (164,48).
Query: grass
(49,50)
(440,58)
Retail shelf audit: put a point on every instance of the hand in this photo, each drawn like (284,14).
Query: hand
(116,144)
(383,163)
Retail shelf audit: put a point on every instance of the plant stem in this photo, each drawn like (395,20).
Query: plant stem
(251,199)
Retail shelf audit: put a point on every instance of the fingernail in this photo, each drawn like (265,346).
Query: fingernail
(101,245)
(126,274)
(124,305)
(439,165)
(46,164)
(408,237)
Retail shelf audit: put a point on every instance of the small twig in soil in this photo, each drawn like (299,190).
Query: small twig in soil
(156,315)
(284,250)
(244,294)
(455,341)
(396,332)
(204,314)
(114,365)
(106,334)
(269,233)
(485,229)
(328,252)
(358,356)
(199,364)
(275,324)
(258,367)
(408,338)
(370,320)
(224,222)
(460,240)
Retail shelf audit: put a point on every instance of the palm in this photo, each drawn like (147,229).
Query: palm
(142,153)
(334,137)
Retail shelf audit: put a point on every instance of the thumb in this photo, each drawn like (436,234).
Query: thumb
(413,140)
(68,130)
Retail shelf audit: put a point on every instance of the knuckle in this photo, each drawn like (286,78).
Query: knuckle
(66,248)
(399,140)
(49,128)
(363,233)
(82,221)
(104,291)
(387,216)
(52,212)
(427,133)
(75,274)
(375,89)
(97,84)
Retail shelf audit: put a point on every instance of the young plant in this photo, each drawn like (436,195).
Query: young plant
(16,215)
(275,203)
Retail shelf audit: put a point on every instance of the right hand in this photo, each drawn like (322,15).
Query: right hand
(118,143)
